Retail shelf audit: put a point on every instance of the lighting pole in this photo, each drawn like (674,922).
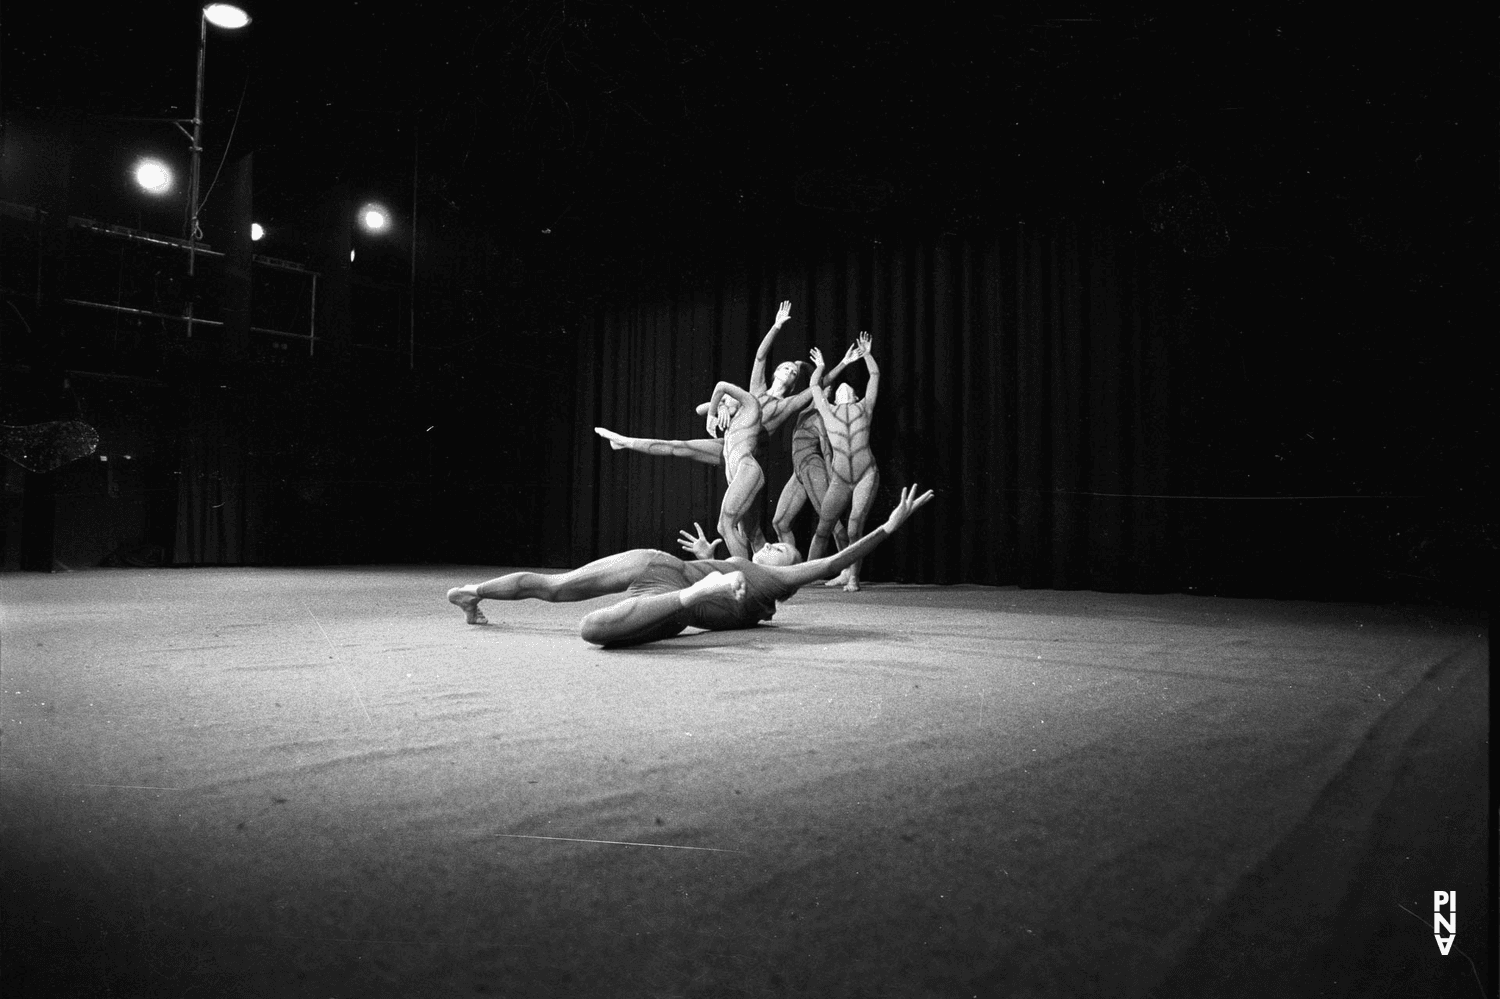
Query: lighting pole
(226,16)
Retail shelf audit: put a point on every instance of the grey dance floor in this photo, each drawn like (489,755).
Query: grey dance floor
(320,783)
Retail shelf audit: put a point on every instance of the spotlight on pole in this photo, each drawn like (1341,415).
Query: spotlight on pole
(154,176)
(257,232)
(374,218)
(220,15)
(224,15)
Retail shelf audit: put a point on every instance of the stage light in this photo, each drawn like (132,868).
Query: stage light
(154,176)
(374,218)
(223,15)
(351,256)
(257,233)
(220,15)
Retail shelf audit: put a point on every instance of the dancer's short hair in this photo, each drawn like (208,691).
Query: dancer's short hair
(779,553)
(796,370)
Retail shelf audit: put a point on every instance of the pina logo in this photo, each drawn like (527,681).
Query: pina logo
(1444,919)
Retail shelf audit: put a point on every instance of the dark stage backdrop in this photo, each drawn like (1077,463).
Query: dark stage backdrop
(1038,380)
(361,461)
(1094,406)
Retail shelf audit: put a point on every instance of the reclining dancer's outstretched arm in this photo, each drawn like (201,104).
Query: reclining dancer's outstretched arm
(830,566)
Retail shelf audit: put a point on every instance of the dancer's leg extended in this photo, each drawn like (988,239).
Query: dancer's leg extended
(710,451)
(653,616)
(612,574)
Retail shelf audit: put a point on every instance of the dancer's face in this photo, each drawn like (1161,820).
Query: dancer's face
(779,553)
(786,377)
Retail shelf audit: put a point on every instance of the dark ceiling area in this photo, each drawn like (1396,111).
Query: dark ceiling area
(604,125)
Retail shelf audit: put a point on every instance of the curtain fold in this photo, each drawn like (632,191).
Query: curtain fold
(221,493)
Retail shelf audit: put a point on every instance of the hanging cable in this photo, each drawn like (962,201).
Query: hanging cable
(224,158)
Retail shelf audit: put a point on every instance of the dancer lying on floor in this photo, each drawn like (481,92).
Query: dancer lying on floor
(667,594)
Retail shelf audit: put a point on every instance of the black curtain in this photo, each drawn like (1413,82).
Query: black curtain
(221,484)
(221,489)
(1038,380)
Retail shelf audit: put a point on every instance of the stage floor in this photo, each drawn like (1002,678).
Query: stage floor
(321,782)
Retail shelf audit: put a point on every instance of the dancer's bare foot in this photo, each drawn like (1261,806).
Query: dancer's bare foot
(467,600)
(732,583)
(840,580)
(852,586)
(616,441)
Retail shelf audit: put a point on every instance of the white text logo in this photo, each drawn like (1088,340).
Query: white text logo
(1444,923)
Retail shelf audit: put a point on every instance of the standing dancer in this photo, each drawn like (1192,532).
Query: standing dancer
(809,481)
(667,594)
(737,413)
(730,411)
(853,476)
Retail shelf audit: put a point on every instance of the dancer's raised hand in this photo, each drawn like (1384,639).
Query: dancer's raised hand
(700,546)
(908,504)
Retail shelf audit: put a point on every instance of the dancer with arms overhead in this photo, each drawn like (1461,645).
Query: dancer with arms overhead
(853,476)
(809,480)
(776,407)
